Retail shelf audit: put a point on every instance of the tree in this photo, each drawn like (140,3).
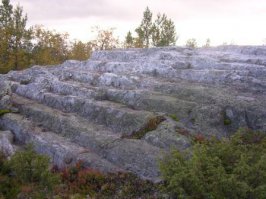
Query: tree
(80,50)
(163,33)
(6,26)
(139,40)
(22,45)
(145,29)
(208,43)
(105,39)
(191,43)
(50,47)
(129,42)
(15,39)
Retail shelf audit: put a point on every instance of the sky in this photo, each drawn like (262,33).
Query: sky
(241,22)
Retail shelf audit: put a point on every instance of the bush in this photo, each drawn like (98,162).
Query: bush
(33,168)
(79,179)
(227,168)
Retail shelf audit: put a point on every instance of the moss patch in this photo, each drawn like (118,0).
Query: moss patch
(4,111)
(227,122)
(151,125)
(174,117)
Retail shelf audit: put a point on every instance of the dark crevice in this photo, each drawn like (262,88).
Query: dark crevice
(151,125)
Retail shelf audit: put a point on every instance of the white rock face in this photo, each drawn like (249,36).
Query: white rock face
(125,108)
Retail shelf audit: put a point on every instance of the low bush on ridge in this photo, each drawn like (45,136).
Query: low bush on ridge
(27,175)
(227,168)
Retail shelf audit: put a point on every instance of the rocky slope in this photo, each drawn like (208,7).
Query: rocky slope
(123,109)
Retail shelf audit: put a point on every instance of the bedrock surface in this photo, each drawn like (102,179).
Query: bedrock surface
(122,110)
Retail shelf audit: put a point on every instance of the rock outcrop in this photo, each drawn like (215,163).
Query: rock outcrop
(122,110)
(6,143)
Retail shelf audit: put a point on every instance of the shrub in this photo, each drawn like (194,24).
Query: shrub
(86,181)
(227,168)
(8,186)
(33,168)
(82,180)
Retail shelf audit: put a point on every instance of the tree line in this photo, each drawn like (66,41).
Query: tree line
(22,47)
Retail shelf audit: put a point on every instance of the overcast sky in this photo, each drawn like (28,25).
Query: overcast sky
(232,21)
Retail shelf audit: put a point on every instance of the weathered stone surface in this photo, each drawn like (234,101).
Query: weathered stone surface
(100,105)
(6,143)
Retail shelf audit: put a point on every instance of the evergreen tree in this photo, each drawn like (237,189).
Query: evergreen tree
(161,32)
(164,33)
(129,42)
(145,30)
(139,40)
(22,45)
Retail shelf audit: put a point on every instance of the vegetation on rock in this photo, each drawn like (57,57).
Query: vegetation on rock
(227,168)
(28,175)
(151,125)
(4,111)
(174,117)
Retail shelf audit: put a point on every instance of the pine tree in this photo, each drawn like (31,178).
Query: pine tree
(145,30)
(22,45)
(164,33)
(161,32)
(129,42)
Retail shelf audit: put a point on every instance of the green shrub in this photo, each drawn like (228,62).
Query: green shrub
(30,167)
(227,168)
(8,186)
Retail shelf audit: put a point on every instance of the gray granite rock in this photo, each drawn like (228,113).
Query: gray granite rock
(109,106)
(7,146)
